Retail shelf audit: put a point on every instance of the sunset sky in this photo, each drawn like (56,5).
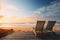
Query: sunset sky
(26,11)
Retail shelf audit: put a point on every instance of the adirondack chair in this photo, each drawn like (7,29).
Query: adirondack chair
(39,29)
(49,28)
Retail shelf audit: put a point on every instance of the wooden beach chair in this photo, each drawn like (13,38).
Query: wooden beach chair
(39,29)
(49,28)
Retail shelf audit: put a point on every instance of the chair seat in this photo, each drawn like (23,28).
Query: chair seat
(40,34)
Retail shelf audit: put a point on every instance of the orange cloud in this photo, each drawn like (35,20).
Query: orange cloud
(1,16)
(14,19)
(28,19)
(18,20)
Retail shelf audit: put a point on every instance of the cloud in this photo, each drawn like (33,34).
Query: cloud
(5,6)
(51,12)
(8,9)
(15,14)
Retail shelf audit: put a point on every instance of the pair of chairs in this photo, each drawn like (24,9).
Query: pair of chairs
(39,29)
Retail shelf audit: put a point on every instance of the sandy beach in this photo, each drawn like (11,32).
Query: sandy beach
(26,33)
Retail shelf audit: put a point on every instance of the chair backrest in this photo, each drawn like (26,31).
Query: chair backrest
(50,25)
(39,25)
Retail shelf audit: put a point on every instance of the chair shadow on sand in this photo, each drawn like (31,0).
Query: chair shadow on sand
(48,33)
